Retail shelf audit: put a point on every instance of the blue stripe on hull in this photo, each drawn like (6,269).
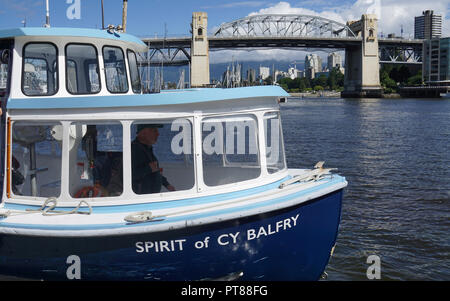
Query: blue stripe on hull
(289,244)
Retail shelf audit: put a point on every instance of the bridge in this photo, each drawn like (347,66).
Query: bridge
(364,49)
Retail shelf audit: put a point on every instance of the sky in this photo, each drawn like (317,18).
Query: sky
(173,17)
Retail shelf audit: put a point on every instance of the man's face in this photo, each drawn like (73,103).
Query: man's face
(149,135)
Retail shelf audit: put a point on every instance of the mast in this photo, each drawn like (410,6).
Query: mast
(103,17)
(47,14)
(124,15)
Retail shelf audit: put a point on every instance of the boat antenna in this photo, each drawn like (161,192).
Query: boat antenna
(103,17)
(47,15)
(124,15)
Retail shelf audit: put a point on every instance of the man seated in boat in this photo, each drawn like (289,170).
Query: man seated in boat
(146,173)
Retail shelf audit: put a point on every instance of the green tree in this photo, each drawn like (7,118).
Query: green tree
(415,80)
(332,80)
(400,74)
(268,80)
(340,78)
(322,80)
(285,87)
(335,79)
(388,83)
(303,84)
(284,83)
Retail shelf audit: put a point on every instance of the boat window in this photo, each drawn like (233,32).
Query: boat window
(230,149)
(71,75)
(5,55)
(134,72)
(40,69)
(162,156)
(3,76)
(82,70)
(36,159)
(274,142)
(96,156)
(115,70)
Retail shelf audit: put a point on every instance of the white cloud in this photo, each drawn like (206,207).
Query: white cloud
(236,4)
(286,8)
(392,14)
(395,14)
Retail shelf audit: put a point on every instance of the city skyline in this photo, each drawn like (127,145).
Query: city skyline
(236,72)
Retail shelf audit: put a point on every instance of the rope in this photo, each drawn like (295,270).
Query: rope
(5,214)
(142,217)
(47,209)
(312,175)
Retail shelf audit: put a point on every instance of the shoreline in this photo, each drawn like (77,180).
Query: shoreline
(334,94)
(316,94)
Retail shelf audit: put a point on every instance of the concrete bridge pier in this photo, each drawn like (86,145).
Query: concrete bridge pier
(362,77)
(199,51)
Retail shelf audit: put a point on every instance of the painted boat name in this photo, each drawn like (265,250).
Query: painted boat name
(222,240)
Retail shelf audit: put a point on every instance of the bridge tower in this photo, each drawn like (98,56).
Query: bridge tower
(199,51)
(362,67)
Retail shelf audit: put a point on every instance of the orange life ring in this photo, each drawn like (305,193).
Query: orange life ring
(90,192)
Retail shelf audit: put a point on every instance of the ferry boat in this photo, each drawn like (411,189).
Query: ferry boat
(104,182)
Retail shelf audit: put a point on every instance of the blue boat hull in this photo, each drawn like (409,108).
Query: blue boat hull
(289,244)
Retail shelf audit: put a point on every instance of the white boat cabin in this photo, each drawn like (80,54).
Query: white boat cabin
(72,106)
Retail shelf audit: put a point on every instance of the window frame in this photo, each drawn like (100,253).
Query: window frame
(56,68)
(9,153)
(97,122)
(165,121)
(280,140)
(7,44)
(66,69)
(225,161)
(125,66)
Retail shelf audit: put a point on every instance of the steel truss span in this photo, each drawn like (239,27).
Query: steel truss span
(284,26)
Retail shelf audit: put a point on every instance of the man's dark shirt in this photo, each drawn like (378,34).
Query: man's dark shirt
(144,179)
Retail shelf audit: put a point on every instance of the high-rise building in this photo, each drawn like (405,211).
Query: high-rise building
(334,60)
(428,26)
(264,72)
(294,73)
(436,61)
(251,75)
(313,64)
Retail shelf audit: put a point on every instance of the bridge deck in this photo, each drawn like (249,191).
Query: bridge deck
(282,42)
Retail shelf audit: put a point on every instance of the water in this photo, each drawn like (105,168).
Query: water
(395,154)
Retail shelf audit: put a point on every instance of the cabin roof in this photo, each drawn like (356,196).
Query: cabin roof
(168,97)
(72,32)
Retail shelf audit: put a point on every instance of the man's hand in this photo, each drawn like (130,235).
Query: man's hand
(170,188)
